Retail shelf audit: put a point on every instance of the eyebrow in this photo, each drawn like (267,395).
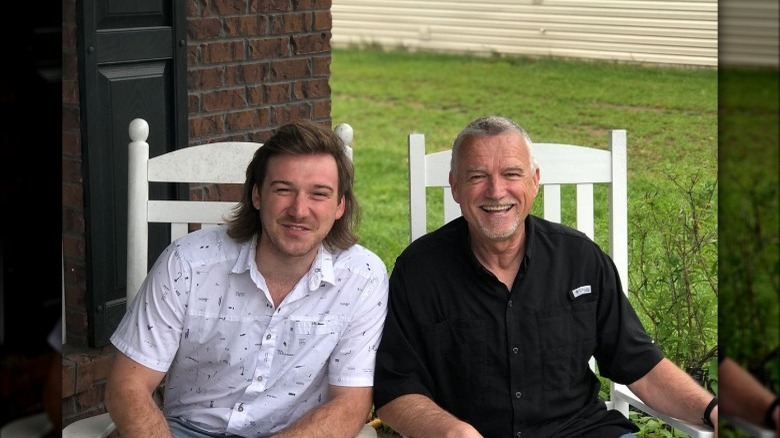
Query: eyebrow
(521,169)
(289,183)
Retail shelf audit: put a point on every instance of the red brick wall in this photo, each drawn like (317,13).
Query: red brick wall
(84,373)
(256,65)
(253,65)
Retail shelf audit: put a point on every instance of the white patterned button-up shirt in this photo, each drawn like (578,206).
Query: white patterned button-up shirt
(234,362)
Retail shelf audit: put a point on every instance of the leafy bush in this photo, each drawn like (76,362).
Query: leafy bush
(673,268)
(653,427)
(673,276)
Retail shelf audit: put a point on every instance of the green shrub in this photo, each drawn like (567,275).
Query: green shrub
(673,267)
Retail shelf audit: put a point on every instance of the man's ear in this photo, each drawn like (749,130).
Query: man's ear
(256,196)
(454,187)
(537,177)
(341,207)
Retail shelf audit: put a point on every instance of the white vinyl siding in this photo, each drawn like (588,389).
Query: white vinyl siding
(749,32)
(666,32)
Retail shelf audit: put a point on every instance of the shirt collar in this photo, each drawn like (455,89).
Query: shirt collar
(465,241)
(530,232)
(246,254)
(321,270)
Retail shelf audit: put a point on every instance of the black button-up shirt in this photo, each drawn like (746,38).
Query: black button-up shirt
(512,362)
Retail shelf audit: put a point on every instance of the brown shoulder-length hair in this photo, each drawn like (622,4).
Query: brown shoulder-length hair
(302,137)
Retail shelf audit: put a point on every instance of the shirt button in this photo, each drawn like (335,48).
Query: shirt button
(519,433)
(259,378)
(268,336)
(515,350)
(510,303)
(518,394)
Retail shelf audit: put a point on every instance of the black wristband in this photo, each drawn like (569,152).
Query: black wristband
(706,418)
(769,419)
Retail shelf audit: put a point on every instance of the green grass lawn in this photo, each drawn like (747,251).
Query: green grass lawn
(670,114)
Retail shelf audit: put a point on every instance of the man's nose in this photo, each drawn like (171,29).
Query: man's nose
(496,186)
(298,206)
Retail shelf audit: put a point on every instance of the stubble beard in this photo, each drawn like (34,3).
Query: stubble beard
(291,247)
(497,231)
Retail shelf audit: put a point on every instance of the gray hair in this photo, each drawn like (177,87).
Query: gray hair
(489,126)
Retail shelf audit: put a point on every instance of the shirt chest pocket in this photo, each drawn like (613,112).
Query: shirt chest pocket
(462,342)
(567,325)
(300,333)
(314,328)
(567,340)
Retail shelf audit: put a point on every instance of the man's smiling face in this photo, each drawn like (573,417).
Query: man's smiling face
(495,184)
